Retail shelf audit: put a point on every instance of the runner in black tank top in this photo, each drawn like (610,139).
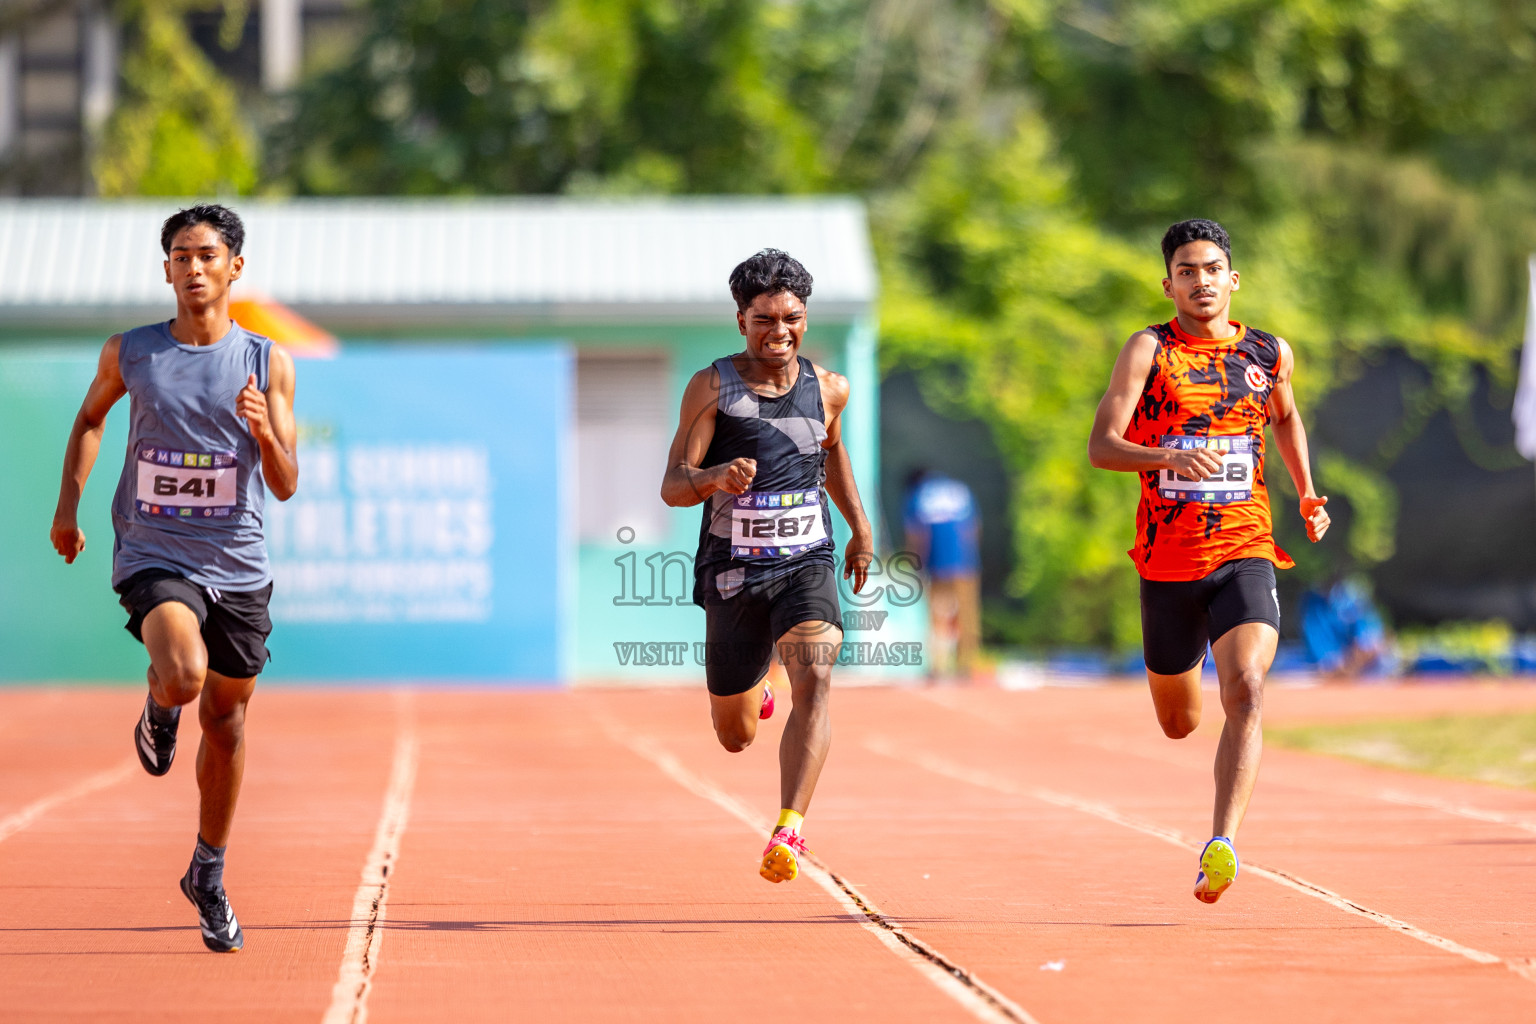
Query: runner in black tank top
(759,443)
(783,435)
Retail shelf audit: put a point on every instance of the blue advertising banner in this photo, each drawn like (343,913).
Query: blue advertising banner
(428,538)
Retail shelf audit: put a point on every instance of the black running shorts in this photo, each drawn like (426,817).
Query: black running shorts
(1179,617)
(740,630)
(234,623)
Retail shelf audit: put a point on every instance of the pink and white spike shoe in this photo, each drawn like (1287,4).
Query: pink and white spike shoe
(780,857)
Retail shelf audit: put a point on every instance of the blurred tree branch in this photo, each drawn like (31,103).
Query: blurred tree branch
(178,129)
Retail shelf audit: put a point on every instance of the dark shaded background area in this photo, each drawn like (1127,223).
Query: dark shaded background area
(1466,533)
(912,435)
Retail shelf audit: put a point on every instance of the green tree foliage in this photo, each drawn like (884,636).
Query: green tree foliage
(723,96)
(178,130)
(1335,140)
(1375,161)
(1009,301)
(449,96)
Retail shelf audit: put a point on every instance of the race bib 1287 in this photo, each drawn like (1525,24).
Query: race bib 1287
(1232,482)
(186,485)
(776,524)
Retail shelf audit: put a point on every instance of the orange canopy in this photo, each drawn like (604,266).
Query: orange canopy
(261,315)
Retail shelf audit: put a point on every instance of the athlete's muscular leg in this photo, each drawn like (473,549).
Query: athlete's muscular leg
(809,651)
(735,717)
(221,755)
(1243,656)
(1177,700)
(178,661)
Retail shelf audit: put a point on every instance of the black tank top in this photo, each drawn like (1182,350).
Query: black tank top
(784,521)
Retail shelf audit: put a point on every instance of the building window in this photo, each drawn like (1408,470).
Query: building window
(624,424)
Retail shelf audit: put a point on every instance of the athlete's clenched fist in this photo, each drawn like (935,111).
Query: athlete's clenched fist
(1194,463)
(735,477)
(1316,516)
(68,540)
(252,404)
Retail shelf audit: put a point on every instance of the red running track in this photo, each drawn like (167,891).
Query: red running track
(591,855)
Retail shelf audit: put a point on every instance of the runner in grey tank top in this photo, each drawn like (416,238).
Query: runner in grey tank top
(759,444)
(210,432)
(190,496)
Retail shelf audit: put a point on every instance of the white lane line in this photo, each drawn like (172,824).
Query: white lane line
(1459,809)
(360,961)
(15,822)
(1391,796)
(1189,763)
(981,1000)
(985,780)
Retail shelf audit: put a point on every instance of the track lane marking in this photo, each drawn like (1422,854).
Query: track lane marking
(18,820)
(1391,796)
(1461,810)
(360,958)
(1454,808)
(976,996)
(985,780)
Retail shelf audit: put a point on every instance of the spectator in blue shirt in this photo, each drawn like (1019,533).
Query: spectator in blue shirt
(944,530)
(1342,629)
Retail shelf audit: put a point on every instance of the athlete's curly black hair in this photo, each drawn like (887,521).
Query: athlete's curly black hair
(768,272)
(1198,230)
(221,218)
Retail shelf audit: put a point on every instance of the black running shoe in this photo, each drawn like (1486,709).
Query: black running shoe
(221,932)
(155,743)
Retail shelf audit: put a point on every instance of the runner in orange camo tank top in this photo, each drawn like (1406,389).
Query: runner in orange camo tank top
(1212,394)
(1186,408)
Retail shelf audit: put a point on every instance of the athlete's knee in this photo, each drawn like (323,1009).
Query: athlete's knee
(1179,722)
(811,684)
(733,726)
(179,677)
(222,729)
(735,736)
(1243,695)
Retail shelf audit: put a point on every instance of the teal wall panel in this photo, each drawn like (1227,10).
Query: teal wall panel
(429,538)
(57,621)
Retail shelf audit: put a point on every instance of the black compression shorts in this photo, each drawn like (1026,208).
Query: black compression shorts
(234,624)
(741,630)
(1179,617)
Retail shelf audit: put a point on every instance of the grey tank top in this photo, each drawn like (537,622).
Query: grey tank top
(190,498)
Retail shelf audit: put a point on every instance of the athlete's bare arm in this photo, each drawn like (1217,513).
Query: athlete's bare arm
(1291,441)
(1107,446)
(840,483)
(270,419)
(685,483)
(84,445)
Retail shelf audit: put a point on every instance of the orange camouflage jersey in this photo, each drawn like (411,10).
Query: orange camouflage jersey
(1205,394)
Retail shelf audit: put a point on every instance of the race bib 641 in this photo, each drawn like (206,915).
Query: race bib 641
(186,485)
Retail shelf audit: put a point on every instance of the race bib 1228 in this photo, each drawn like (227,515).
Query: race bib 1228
(186,485)
(1232,482)
(776,524)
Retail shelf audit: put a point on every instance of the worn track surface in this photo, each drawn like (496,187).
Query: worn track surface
(591,855)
